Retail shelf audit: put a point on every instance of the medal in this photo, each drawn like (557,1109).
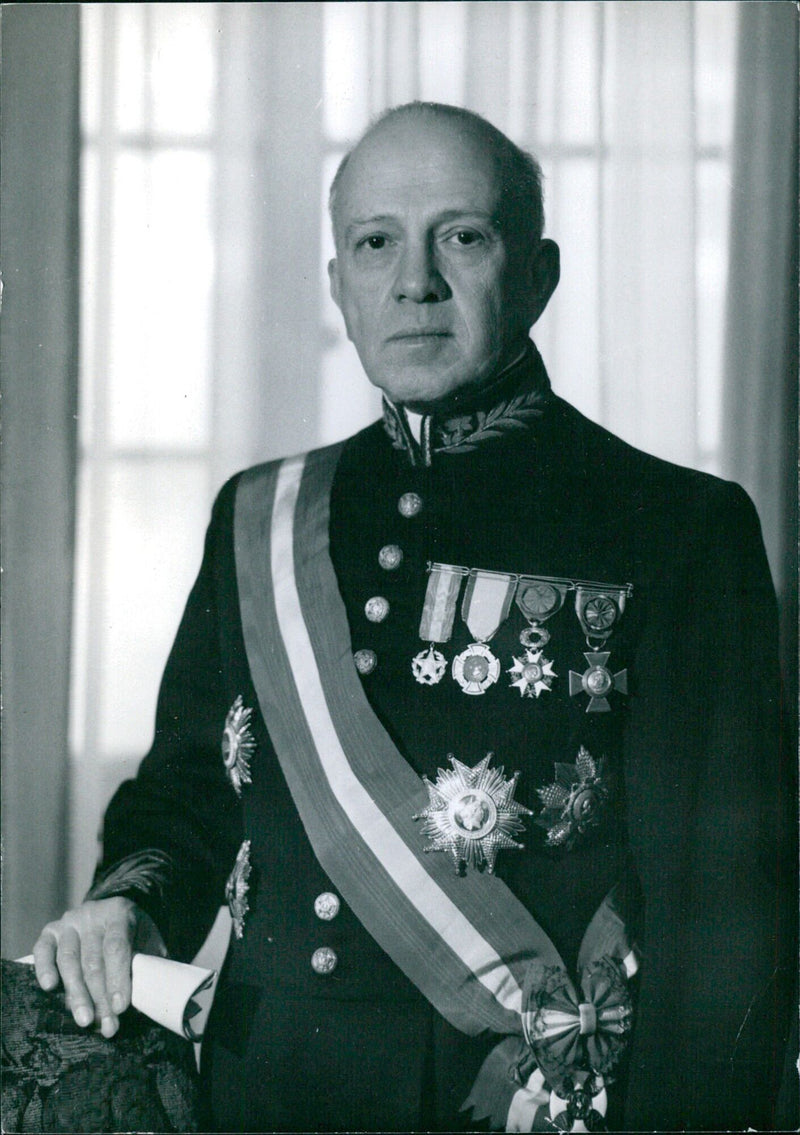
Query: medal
(238,745)
(599,609)
(598,681)
(236,889)
(487,601)
(429,666)
(532,674)
(537,599)
(436,623)
(574,802)
(472,814)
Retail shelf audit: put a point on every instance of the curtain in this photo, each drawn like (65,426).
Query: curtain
(38,349)
(761,359)
(266,339)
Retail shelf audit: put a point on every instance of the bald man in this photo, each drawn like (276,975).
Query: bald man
(472,719)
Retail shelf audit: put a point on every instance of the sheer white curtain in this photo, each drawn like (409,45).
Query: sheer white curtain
(211,132)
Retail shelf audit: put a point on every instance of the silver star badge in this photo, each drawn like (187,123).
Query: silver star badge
(472,813)
(238,745)
(237,887)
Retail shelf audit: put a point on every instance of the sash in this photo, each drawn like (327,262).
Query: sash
(467,942)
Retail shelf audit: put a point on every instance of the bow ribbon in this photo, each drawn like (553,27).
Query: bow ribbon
(568,1033)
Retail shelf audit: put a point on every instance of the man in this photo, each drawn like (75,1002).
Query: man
(473,718)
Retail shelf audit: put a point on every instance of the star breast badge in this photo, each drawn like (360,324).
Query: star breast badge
(472,814)
(238,745)
(574,802)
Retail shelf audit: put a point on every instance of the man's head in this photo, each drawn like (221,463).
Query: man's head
(440,267)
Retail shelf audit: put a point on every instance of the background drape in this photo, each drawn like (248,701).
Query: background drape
(39,362)
(761,348)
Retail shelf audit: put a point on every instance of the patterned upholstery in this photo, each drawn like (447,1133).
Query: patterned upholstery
(58,1077)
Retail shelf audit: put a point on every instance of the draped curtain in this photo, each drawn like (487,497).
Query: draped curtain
(38,352)
(761,350)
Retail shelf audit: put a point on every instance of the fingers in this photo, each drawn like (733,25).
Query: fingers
(90,948)
(93,966)
(44,958)
(68,959)
(117,958)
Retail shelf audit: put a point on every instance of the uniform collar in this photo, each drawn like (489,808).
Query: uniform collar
(513,400)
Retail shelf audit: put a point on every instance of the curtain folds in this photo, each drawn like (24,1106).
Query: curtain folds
(38,348)
(761,357)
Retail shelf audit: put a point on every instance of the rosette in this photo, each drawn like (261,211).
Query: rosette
(568,1033)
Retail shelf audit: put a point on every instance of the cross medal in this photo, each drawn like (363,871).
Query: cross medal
(598,613)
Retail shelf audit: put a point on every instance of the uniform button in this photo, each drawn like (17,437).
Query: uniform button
(365,660)
(324,960)
(376,609)
(409,504)
(390,557)
(326,906)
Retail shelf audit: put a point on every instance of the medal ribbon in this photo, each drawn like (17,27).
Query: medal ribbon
(439,609)
(487,601)
(466,942)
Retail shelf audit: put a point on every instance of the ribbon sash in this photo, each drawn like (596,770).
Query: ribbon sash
(465,942)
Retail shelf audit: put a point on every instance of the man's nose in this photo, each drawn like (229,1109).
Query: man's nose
(418,277)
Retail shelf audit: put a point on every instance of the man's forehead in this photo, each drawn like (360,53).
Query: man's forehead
(415,160)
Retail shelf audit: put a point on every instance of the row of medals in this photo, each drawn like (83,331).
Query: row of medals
(486,605)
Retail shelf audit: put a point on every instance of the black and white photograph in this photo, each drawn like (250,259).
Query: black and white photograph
(399,466)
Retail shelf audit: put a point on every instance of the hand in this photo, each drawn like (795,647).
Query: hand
(91,948)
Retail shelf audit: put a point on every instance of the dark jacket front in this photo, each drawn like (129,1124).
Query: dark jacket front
(698,800)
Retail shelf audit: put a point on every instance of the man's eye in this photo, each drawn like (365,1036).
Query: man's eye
(466,237)
(375,242)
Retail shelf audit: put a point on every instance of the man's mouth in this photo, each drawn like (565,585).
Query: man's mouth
(417,335)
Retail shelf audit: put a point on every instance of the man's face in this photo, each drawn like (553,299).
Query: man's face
(435,294)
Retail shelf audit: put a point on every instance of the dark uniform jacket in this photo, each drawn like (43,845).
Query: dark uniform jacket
(696,796)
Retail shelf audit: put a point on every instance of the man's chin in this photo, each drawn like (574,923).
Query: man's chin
(423,390)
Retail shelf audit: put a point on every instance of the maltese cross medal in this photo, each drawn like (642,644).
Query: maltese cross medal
(472,814)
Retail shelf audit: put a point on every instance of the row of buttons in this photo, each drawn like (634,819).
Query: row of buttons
(390,558)
(326,906)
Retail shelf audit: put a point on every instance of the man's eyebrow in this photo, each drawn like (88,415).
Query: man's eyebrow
(440,218)
(379,219)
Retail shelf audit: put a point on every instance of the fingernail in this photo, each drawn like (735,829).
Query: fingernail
(108,1026)
(84,1016)
(49,981)
(117,1002)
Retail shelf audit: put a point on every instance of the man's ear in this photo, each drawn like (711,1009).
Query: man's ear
(545,272)
(333,277)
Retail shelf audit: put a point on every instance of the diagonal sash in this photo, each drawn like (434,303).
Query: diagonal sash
(465,942)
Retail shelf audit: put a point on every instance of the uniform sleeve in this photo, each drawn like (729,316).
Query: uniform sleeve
(170,835)
(711,797)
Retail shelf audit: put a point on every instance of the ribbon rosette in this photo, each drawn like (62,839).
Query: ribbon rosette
(568,1033)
